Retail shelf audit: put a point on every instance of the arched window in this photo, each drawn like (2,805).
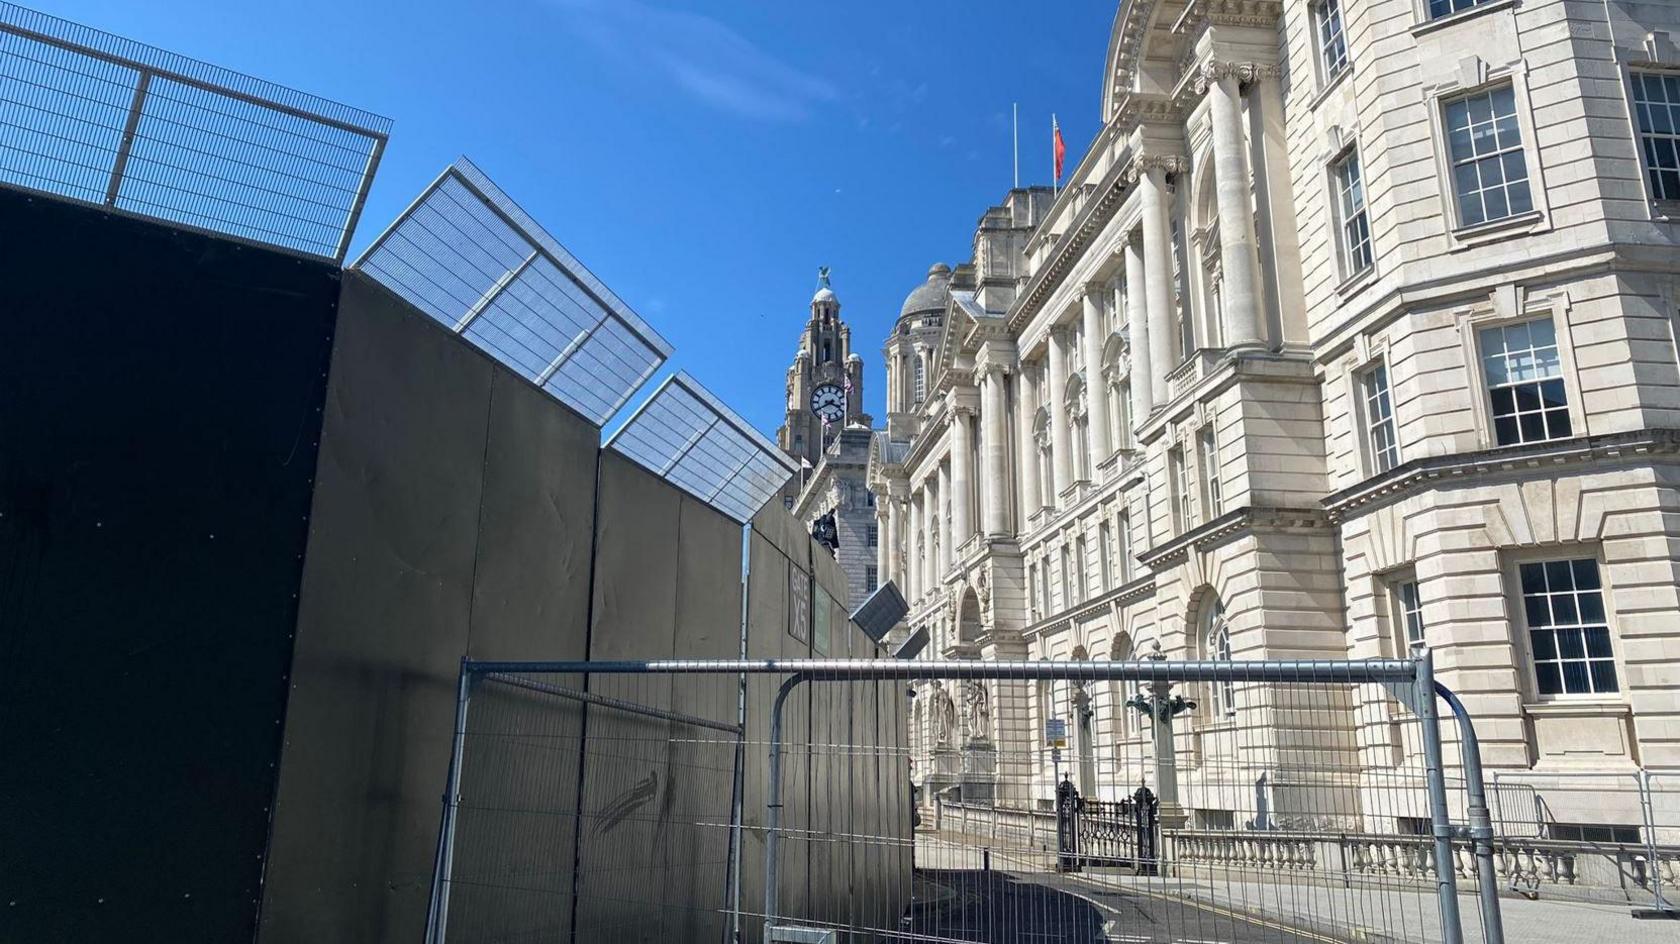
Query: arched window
(1121,651)
(1217,646)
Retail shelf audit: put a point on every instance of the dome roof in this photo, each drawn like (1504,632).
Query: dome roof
(825,294)
(930,295)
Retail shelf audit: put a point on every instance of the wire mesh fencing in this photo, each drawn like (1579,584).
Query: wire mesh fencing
(465,253)
(109,121)
(1595,836)
(818,800)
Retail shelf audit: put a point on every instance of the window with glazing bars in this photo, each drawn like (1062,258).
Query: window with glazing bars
(1489,172)
(1525,382)
(1353,224)
(872,534)
(1104,568)
(1208,457)
(1379,419)
(1568,633)
(1332,45)
(1656,104)
(1410,607)
(1123,531)
(1178,483)
(871,578)
(1440,8)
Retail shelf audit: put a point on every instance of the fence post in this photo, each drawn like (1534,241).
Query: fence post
(1446,881)
(773,831)
(437,917)
(125,147)
(1481,824)
(1659,905)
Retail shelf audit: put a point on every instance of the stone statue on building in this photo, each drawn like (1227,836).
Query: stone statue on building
(977,704)
(944,715)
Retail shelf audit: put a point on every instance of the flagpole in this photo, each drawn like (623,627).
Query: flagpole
(1055,181)
(1015,135)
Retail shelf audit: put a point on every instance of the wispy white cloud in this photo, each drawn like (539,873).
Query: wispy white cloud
(701,55)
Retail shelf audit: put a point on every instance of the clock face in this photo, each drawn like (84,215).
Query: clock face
(829,402)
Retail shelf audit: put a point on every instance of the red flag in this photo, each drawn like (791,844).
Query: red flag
(1057,143)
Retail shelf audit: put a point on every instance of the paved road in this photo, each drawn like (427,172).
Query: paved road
(999,907)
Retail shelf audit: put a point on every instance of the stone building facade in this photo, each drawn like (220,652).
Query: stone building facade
(1352,331)
(825,382)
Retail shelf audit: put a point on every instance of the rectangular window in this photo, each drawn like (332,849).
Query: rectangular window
(1593,832)
(1332,45)
(1379,419)
(1525,382)
(1181,294)
(1105,566)
(1124,531)
(1408,607)
(1213,493)
(1568,631)
(1044,585)
(1067,578)
(871,578)
(1123,415)
(1656,106)
(1352,224)
(1178,481)
(1490,175)
(872,534)
(1440,8)
(1079,568)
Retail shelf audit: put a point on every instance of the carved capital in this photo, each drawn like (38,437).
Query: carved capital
(1147,162)
(1212,71)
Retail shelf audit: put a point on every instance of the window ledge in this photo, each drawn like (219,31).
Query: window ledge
(1469,237)
(1453,19)
(1665,211)
(1579,706)
(1330,85)
(1357,281)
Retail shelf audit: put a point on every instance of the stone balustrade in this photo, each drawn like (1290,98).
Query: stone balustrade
(1538,867)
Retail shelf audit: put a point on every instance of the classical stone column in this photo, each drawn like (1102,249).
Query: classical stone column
(1137,318)
(994,454)
(913,561)
(962,475)
(895,543)
(942,497)
(1061,460)
(1157,276)
(1026,400)
(1096,393)
(883,541)
(1238,251)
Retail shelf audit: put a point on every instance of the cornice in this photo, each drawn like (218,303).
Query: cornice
(1420,475)
(1138,588)
(1233,524)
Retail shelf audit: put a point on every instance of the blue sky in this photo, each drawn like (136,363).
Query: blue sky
(701,158)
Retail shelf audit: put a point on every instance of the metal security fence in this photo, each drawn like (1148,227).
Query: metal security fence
(849,800)
(1595,836)
(465,253)
(109,121)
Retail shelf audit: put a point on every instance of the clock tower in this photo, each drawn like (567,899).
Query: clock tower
(827,433)
(825,383)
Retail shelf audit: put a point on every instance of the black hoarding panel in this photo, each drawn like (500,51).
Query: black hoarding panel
(159,410)
(382,628)
(531,590)
(626,775)
(515,837)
